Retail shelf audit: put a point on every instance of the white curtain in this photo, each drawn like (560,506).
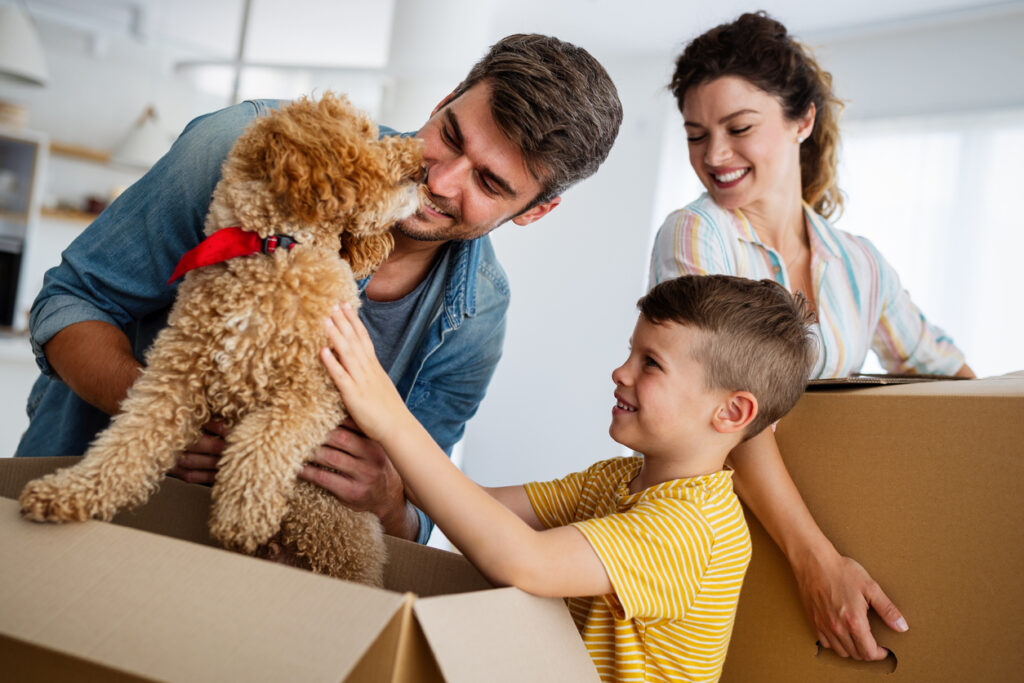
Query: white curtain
(938,197)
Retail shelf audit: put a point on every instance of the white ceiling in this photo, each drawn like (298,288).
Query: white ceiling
(659,26)
(357,32)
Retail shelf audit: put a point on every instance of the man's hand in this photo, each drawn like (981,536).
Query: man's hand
(198,464)
(837,593)
(361,475)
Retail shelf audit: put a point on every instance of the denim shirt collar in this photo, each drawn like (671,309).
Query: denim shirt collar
(460,258)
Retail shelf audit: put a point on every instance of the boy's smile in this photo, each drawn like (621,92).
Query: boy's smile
(662,403)
(622,406)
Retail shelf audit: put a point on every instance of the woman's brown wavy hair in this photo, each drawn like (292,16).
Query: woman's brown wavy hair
(757,48)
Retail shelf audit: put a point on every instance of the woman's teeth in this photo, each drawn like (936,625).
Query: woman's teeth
(732,175)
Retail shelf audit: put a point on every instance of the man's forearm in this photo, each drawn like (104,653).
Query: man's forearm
(95,360)
(404,523)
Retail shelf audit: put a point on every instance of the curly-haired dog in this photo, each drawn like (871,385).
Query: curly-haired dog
(243,338)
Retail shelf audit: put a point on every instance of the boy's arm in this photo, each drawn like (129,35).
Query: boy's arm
(516,500)
(837,592)
(556,562)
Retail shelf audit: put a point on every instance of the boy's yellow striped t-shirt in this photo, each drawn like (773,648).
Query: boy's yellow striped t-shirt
(675,553)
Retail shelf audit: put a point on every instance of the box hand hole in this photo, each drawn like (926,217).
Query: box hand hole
(882,667)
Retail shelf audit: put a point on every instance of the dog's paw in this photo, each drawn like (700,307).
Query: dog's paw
(63,497)
(244,527)
(277,551)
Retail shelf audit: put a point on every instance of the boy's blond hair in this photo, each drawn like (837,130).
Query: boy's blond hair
(755,336)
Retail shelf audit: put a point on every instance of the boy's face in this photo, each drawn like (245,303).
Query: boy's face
(661,399)
(476,177)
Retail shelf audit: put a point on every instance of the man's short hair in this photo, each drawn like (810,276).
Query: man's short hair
(755,336)
(555,102)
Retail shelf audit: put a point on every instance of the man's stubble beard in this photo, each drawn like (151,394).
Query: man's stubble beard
(419,227)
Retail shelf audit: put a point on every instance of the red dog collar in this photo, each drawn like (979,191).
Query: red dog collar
(228,243)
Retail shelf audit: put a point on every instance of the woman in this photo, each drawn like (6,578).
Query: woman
(761,124)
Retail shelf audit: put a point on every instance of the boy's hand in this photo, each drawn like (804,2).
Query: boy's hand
(370,397)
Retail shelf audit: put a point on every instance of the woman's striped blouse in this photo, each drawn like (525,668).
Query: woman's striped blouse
(860,301)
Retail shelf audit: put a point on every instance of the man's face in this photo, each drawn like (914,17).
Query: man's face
(476,179)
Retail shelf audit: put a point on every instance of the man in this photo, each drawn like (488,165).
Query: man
(533,117)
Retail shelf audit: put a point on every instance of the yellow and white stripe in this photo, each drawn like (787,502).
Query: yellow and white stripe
(675,553)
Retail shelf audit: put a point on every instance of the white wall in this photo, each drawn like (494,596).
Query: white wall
(576,276)
(952,65)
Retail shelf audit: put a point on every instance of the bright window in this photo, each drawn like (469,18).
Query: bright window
(935,195)
(938,197)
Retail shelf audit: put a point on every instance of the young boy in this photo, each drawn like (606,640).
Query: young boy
(650,549)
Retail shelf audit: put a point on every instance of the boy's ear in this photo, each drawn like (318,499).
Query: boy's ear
(733,415)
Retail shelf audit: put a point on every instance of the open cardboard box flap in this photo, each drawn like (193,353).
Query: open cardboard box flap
(97,601)
(920,483)
(917,482)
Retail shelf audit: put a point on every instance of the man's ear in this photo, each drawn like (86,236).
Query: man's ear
(446,100)
(735,413)
(537,212)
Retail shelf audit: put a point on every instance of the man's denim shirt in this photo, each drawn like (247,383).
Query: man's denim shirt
(116,271)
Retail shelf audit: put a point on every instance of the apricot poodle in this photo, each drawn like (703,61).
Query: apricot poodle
(243,338)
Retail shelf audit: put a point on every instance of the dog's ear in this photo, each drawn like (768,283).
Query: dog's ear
(404,157)
(310,149)
(365,254)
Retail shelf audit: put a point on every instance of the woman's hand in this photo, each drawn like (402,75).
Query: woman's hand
(837,593)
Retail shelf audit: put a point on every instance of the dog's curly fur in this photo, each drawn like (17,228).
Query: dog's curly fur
(242,345)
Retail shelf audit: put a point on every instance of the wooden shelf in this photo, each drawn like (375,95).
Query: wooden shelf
(14,216)
(65,149)
(68,215)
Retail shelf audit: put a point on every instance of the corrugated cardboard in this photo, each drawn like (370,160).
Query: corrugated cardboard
(96,601)
(920,483)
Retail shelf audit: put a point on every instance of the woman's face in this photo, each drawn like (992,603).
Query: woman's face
(743,148)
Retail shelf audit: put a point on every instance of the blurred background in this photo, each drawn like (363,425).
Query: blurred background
(931,163)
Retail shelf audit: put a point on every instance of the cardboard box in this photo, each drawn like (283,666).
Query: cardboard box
(97,601)
(917,482)
(920,483)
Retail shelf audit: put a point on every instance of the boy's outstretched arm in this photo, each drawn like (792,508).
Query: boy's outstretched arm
(557,562)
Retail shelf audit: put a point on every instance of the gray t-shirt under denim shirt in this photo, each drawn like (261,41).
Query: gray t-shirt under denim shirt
(387,321)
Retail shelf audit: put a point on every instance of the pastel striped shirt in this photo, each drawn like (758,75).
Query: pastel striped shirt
(861,304)
(675,553)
